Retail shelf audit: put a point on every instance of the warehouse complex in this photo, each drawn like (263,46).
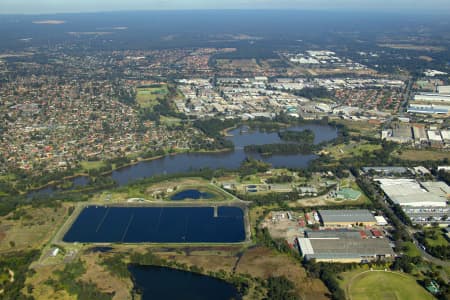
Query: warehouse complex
(409,192)
(347,218)
(423,202)
(344,246)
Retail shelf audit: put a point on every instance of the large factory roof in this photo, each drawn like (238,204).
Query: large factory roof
(347,215)
(408,192)
(330,245)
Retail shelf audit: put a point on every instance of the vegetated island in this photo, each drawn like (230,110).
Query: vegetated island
(305,136)
(270,149)
(300,142)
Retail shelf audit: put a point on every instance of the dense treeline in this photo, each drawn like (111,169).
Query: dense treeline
(406,263)
(17,262)
(280,288)
(444,176)
(280,179)
(311,93)
(440,251)
(288,148)
(305,137)
(252,166)
(327,272)
(213,128)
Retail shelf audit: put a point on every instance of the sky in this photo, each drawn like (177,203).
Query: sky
(58,6)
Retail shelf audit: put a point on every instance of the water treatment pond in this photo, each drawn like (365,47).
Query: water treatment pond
(158,225)
(158,283)
(191,194)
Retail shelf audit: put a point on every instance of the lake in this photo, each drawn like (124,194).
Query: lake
(186,162)
(191,194)
(157,225)
(159,283)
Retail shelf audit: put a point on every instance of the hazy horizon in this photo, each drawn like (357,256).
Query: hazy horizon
(43,7)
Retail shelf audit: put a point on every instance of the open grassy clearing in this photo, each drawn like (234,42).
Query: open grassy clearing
(148,96)
(42,291)
(170,121)
(385,285)
(363,128)
(95,273)
(410,249)
(91,165)
(246,65)
(351,150)
(420,155)
(29,228)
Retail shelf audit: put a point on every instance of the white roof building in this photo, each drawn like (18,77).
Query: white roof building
(408,192)
(381,221)
(444,89)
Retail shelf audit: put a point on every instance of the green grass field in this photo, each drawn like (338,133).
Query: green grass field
(351,150)
(170,121)
(148,97)
(386,286)
(91,165)
(421,155)
(409,249)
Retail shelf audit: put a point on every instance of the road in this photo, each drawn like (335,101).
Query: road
(425,254)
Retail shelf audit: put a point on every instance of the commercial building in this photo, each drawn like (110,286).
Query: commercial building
(430,97)
(422,202)
(444,89)
(420,135)
(346,217)
(386,170)
(409,192)
(434,136)
(445,136)
(428,109)
(381,221)
(344,246)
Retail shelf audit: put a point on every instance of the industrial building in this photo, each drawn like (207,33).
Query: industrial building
(444,89)
(428,109)
(346,217)
(409,192)
(344,246)
(431,97)
(420,135)
(423,202)
(386,170)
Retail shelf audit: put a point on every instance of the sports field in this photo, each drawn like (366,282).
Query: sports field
(148,96)
(385,285)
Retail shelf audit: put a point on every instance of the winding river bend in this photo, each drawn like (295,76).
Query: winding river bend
(186,162)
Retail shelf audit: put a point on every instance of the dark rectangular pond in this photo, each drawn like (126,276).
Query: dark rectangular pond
(159,283)
(191,194)
(158,225)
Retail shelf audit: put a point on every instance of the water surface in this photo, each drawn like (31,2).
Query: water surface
(159,283)
(158,225)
